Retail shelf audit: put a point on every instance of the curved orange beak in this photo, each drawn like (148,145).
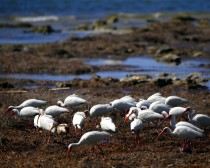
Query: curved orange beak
(8,110)
(68,153)
(167,118)
(160,133)
(11,114)
(126,117)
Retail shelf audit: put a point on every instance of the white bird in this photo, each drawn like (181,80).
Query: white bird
(184,133)
(180,123)
(145,115)
(200,120)
(158,107)
(123,104)
(72,101)
(100,110)
(176,111)
(143,102)
(79,121)
(90,138)
(156,97)
(107,124)
(27,103)
(25,113)
(175,101)
(136,126)
(55,110)
(47,123)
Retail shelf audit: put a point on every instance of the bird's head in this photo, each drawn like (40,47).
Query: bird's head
(13,112)
(87,114)
(9,109)
(59,103)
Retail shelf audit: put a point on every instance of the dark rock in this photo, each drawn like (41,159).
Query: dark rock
(163,82)
(46,29)
(170,58)
(183,18)
(165,50)
(17,25)
(6,85)
(83,27)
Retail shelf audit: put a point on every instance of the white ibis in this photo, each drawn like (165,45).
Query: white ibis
(107,124)
(156,97)
(185,133)
(176,111)
(47,123)
(72,101)
(158,107)
(180,123)
(143,102)
(200,120)
(25,113)
(136,126)
(27,103)
(146,115)
(100,110)
(175,101)
(123,104)
(78,121)
(90,138)
(55,110)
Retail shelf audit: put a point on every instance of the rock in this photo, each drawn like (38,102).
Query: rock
(165,50)
(183,18)
(198,54)
(46,29)
(170,58)
(112,19)
(136,79)
(6,85)
(83,27)
(17,25)
(163,82)
(101,24)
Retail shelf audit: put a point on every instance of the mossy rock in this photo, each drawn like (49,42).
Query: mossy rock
(83,27)
(46,29)
(112,19)
(183,18)
(161,82)
(17,25)
(170,58)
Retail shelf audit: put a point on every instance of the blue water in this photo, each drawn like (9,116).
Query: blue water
(63,15)
(95,8)
(137,65)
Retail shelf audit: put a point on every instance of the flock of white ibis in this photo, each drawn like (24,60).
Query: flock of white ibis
(154,110)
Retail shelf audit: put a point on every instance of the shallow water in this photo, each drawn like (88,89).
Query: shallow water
(134,65)
(65,14)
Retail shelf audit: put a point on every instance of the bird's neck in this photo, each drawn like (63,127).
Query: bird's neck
(74,145)
(172,122)
(170,132)
(190,114)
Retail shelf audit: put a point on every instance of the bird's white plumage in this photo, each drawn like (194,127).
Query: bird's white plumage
(100,110)
(107,124)
(158,107)
(175,101)
(55,110)
(156,97)
(200,120)
(177,111)
(72,101)
(136,125)
(79,120)
(91,138)
(46,122)
(26,112)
